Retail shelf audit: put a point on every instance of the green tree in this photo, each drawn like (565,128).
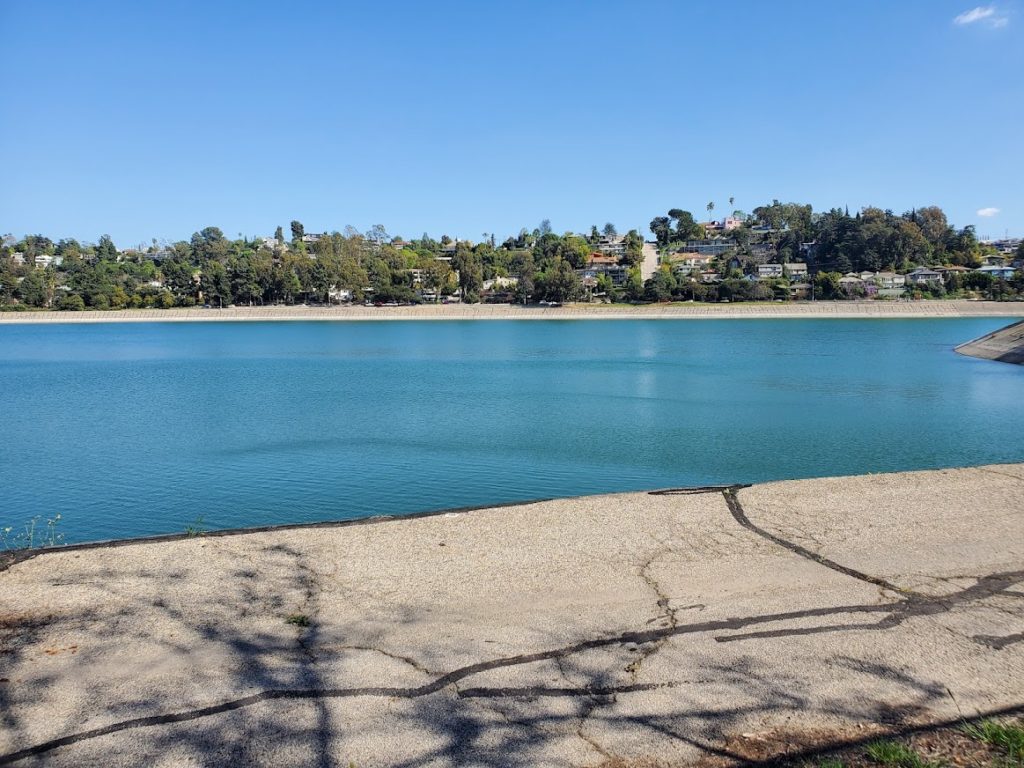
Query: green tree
(71,302)
(470,270)
(34,290)
(559,282)
(686,227)
(105,248)
(215,284)
(209,243)
(662,231)
(661,286)
(279,235)
(297,232)
(634,248)
(609,230)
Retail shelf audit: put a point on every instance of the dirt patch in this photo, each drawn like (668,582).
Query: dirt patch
(840,748)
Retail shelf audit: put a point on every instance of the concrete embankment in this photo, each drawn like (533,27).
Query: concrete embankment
(1005,345)
(685,311)
(632,629)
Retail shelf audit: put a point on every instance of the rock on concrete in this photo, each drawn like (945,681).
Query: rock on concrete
(573,632)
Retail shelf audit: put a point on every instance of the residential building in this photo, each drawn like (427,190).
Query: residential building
(43,261)
(799,290)
(710,276)
(709,247)
(888,280)
(500,284)
(1001,272)
(604,265)
(768,271)
(686,263)
(612,245)
(339,295)
(923,276)
(993,260)
(851,283)
(18,258)
(795,270)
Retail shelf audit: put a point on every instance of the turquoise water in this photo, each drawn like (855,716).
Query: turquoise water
(136,429)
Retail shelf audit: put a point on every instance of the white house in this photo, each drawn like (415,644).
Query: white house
(768,271)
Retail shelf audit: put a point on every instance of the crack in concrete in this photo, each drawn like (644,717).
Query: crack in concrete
(666,614)
(740,516)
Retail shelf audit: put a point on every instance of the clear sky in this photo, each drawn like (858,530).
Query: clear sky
(155,119)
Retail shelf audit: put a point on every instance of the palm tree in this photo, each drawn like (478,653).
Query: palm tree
(711,207)
(731,201)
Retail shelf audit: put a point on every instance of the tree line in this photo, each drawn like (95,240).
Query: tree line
(212,269)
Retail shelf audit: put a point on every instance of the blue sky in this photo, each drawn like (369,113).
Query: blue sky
(153,120)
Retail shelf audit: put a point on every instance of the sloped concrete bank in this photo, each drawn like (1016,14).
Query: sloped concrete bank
(610,629)
(1005,345)
(683,311)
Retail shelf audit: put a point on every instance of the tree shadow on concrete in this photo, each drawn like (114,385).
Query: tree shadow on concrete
(276,700)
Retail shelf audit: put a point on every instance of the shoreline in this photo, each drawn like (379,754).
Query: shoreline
(687,311)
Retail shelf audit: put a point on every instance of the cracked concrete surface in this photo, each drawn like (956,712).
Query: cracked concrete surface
(571,632)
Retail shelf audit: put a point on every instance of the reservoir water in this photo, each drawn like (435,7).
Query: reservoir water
(138,429)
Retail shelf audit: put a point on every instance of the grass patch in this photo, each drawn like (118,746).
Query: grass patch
(298,620)
(1007,737)
(897,755)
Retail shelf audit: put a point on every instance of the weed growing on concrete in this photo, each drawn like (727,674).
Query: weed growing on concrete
(34,535)
(1005,736)
(298,620)
(195,528)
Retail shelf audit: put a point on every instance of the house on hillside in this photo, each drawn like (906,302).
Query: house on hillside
(603,264)
(889,280)
(1001,272)
(851,284)
(924,276)
(769,271)
(686,262)
(795,270)
(612,245)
